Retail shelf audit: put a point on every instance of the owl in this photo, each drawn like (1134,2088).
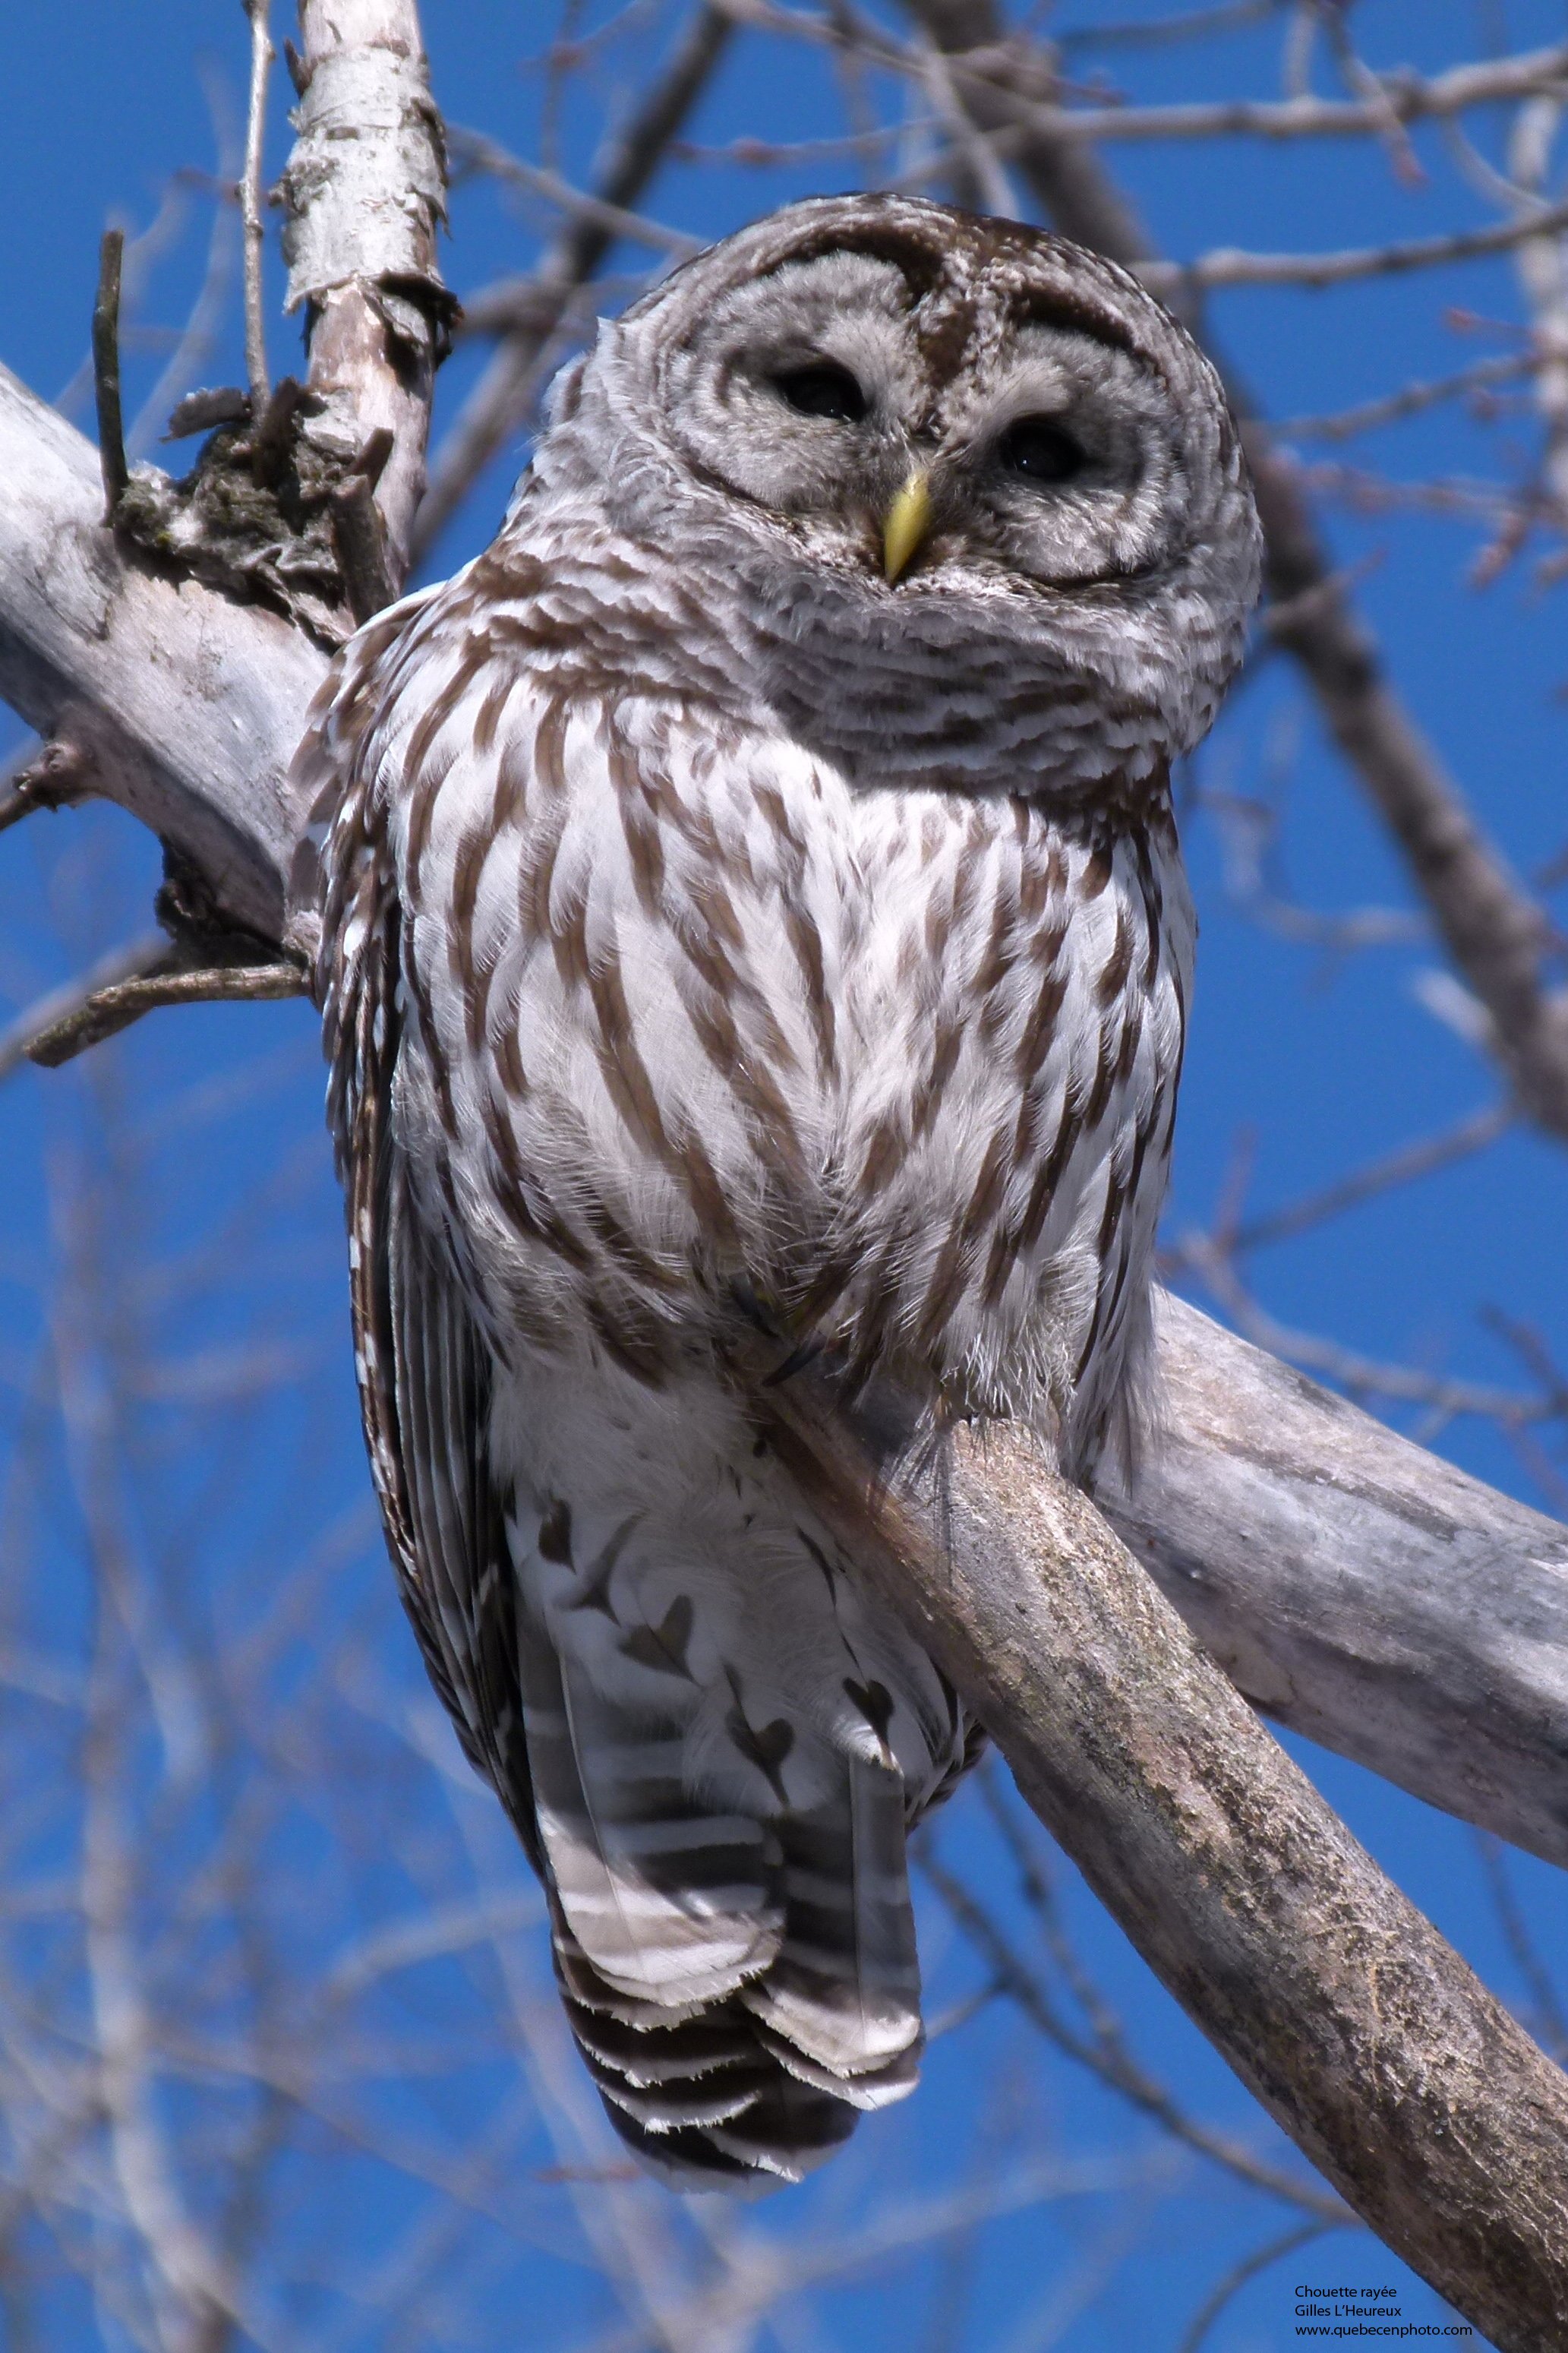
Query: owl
(751,906)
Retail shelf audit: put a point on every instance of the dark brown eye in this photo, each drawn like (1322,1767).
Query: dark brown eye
(1039,450)
(823,389)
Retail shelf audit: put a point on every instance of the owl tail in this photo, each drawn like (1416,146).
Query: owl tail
(732,1928)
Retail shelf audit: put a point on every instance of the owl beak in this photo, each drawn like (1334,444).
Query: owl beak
(909,519)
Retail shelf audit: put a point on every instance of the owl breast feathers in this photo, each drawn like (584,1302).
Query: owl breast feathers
(751,901)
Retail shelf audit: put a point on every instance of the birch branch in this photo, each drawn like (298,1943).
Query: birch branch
(251,199)
(1336,2002)
(364,192)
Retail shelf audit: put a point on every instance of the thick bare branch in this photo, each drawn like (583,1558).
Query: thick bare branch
(1359,1588)
(166,697)
(1336,2002)
(364,192)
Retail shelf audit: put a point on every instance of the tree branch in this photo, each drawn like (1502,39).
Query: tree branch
(176,701)
(1231,266)
(1360,1590)
(250,206)
(71,1019)
(363,191)
(1401,98)
(1338,2004)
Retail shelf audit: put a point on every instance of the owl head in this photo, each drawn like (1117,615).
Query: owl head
(962,501)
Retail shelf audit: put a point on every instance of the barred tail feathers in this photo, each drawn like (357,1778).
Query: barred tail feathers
(733,1935)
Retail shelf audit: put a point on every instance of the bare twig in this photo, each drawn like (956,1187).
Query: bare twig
(261,54)
(473,151)
(44,776)
(1395,97)
(1364,1376)
(979,179)
(199,334)
(1009,79)
(1395,1169)
(1249,828)
(1548,2021)
(1195,25)
(133,980)
(1230,266)
(1410,400)
(101,1012)
(106,371)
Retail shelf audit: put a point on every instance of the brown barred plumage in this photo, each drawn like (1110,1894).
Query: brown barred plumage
(717,931)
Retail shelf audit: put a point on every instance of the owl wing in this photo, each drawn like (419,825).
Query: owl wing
(423,1370)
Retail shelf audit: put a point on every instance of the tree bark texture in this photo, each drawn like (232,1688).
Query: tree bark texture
(1336,2001)
(163,695)
(363,192)
(1357,1588)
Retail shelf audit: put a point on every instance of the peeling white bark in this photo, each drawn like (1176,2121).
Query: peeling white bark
(363,192)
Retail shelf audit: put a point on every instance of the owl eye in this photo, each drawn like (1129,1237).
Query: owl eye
(823,389)
(1039,450)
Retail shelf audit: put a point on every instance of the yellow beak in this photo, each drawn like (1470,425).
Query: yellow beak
(909,519)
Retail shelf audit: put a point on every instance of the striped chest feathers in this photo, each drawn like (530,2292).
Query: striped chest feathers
(681,976)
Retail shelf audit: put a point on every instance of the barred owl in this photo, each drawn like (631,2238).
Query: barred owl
(751,898)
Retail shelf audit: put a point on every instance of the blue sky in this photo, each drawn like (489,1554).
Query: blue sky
(1321,1061)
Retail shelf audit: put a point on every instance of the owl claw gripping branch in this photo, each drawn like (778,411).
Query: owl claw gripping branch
(724,902)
